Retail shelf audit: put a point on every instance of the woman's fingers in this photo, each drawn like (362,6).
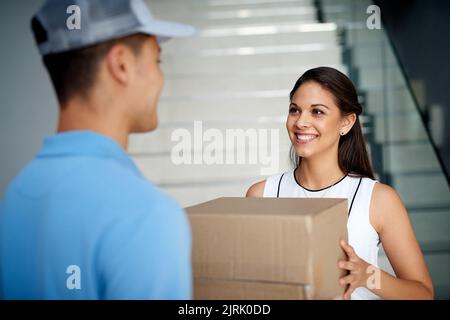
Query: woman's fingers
(346,265)
(348,292)
(352,264)
(346,280)
(348,250)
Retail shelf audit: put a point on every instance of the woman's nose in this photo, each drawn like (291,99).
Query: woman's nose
(303,121)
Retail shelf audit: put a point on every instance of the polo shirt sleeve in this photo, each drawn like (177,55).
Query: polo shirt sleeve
(145,252)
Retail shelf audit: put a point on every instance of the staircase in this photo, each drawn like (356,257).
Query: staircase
(235,74)
(408,161)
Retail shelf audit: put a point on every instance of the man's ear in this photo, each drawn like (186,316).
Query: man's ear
(348,122)
(120,63)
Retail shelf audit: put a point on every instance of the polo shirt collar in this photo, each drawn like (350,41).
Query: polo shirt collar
(85,143)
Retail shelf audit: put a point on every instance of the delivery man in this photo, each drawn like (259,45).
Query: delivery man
(80,221)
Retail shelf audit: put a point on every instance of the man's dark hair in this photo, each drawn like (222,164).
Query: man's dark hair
(74,72)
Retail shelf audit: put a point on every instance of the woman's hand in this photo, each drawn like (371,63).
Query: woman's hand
(357,268)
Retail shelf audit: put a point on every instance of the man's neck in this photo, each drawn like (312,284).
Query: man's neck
(76,116)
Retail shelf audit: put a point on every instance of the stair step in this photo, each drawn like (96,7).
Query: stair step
(226,109)
(160,140)
(243,13)
(400,128)
(250,2)
(210,18)
(201,13)
(226,3)
(201,24)
(374,55)
(176,8)
(291,36)
(369,76)
(228,85)
(410,158)
(432,228)
(266,29)
(422,190)
(170,173)
(188,196)
(398,100)
(319,55)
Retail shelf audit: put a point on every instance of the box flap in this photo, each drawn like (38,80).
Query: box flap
(264,206)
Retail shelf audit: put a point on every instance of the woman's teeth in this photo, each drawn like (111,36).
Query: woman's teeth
(303,137)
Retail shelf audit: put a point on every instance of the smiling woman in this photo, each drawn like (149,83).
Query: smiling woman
(330,159)
(332,107)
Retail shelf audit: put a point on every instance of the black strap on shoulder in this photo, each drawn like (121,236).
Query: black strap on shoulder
(279,183)
(351,205)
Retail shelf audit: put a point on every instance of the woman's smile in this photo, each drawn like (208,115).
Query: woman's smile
(304,138)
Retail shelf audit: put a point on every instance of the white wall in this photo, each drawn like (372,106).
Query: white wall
(28,106)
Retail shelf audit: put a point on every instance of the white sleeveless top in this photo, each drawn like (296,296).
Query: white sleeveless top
(361,234)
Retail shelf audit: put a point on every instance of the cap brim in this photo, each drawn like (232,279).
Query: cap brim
(165,30)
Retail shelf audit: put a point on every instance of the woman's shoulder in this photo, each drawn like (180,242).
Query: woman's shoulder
(385,204)
(271,182)
(383,194)
(380,192)
(364,181)
(256,190)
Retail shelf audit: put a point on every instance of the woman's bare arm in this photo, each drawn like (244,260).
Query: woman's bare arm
(391,220)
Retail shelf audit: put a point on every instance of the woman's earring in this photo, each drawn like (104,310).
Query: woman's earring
(342,133)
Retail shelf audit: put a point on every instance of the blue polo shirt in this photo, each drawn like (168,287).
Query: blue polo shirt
(81,222)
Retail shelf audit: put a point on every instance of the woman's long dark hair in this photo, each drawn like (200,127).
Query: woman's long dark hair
(352,154)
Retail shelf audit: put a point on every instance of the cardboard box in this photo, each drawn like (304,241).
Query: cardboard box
(268,248)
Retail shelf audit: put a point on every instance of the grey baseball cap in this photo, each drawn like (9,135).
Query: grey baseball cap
(63,25)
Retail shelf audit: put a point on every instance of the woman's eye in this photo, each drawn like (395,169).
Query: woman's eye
(292,110)
(318,112)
